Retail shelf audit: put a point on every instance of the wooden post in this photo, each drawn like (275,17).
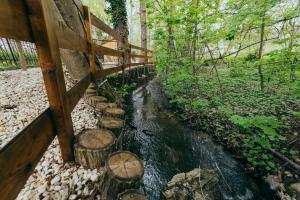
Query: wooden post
(22,59)
(43,28)
(129,57)
(91,56)
(124,63)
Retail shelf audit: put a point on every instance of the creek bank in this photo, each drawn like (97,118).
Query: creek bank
(197,184)
(167,147)
(217,125)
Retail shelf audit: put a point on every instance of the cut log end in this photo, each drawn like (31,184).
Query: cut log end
(93,146)
(114,112)
(91,92)
(93,100)
(124,171)
(92,86)
(101,107)
(113,124)
(125,165)
(132,195)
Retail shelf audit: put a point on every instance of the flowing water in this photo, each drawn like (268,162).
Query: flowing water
(167,147)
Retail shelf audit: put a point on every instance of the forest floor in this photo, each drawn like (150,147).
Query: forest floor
(23,98)
(247,121)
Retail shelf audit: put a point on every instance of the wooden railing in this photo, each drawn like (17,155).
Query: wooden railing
(33,21)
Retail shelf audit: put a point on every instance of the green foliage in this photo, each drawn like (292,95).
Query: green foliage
(118,12)
(220,88)
(200,104)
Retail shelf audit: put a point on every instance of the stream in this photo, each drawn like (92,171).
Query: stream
(167,147)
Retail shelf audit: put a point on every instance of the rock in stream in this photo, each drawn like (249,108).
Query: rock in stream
(198,184)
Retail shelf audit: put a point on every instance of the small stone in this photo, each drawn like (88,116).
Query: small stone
(295,187)
(41,190)
(86,191)
(94,177)
(72,196)
(55,180)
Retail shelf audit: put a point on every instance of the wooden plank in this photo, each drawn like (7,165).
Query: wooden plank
(104,27)
(135,64)
(20,156)
(151,63)
(88,26)
(140,48)
(113,70)
(76,93)
(68,39)
(43,28)
(105,72)
(14,21)
(136,56)
(106,51)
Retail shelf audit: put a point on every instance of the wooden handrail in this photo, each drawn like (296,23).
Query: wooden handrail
(104,27)
(20,156)
(136,56)
(107,51)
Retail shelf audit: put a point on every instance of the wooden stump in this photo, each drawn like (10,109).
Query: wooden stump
(124,170)
(101,107)
(112,105)
(92,86)
(132,195)
(113,124)
(91,92)
(114,112)
(93,146)
(93,100)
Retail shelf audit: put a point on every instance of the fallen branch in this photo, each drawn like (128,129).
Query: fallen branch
(295,167)
(293,141)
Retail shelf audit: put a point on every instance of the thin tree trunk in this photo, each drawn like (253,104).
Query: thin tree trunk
(143,21)
(119,17)
(22,59)
(195,38)
(216,70)
(260,52)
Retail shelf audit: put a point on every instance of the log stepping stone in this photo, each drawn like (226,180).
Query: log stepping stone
(92,147)
(92,86)
(114,112)
(100,107)
(124,170)
(132,195)
(90,92)
(93,100)
(112,105)
(113,124)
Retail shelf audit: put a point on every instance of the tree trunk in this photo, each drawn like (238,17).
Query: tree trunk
(260,52)
(119,19)
(22,59)
(195,38)
(143,21)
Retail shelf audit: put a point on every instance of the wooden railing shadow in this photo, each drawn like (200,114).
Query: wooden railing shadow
(32,21)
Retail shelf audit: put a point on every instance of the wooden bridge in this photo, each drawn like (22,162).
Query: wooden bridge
(31,21)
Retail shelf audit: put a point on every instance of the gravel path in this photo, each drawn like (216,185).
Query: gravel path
(22,99)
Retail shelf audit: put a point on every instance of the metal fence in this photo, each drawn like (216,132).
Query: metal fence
(11,50)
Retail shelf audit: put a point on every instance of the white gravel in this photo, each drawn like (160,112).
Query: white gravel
(22,99)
